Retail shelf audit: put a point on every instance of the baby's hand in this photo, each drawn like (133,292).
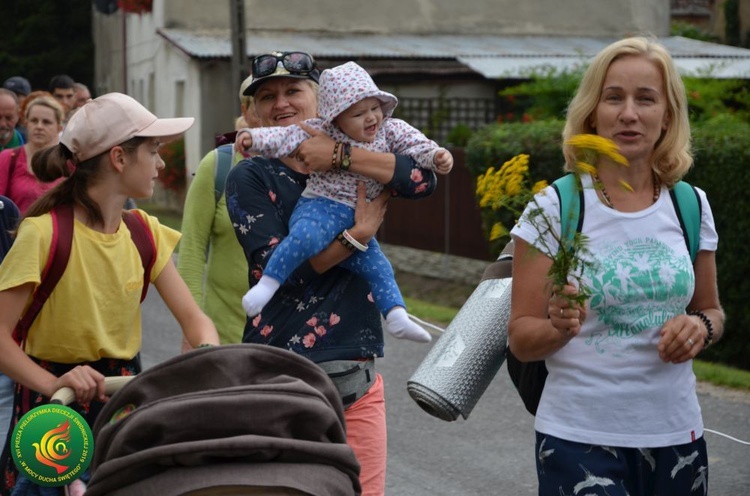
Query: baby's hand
(443,161)
(243,142)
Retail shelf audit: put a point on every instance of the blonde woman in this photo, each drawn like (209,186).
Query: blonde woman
(43,119)
(619,413)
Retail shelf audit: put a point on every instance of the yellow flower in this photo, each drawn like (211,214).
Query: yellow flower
(498,231)
(538,186)
(597,145)
(585,168)
(625,185)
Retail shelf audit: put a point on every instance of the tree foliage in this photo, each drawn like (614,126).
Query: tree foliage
(42,38)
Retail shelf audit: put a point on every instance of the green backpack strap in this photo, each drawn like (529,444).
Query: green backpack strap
(570,193)
(221,169)
(687,205)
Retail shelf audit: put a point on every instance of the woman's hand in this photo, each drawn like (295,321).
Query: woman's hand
(681,338)
(566,315)
(316,152)
(368,214)
(87,383)
(243,142)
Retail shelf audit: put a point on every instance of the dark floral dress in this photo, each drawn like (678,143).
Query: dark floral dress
(329,316)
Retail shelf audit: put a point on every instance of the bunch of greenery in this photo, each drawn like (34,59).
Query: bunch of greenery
(508,190)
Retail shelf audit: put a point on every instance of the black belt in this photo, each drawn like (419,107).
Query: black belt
(352,378)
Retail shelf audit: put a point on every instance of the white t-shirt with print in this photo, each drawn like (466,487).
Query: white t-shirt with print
(608,386)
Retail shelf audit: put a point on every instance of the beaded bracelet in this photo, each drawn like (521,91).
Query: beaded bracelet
(204,345)
(334,164)
(345,242)
(709,327)
(346,157)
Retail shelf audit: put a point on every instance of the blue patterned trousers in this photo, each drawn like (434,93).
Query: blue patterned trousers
(314,224)
(568,468)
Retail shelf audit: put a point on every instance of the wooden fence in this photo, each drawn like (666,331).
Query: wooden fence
(448,221)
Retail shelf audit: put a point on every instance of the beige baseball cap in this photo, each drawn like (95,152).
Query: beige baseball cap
(112,119)
(248,80)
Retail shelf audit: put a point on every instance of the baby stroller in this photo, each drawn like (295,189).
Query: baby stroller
(235,419)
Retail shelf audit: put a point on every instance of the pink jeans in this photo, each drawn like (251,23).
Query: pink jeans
(367,435)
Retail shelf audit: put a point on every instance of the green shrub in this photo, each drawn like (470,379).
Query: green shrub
(722,154)
(459,135)
(689,30)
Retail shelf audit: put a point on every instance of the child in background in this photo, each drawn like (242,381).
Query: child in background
(90,327)
(353,111)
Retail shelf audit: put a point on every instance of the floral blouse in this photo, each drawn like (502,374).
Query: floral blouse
(329,316)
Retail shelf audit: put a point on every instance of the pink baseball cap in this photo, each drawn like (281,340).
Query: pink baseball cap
(112,119)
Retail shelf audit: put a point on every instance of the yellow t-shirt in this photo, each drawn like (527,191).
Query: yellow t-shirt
(94,311)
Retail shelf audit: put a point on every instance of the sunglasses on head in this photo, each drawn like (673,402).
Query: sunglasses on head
(298,63)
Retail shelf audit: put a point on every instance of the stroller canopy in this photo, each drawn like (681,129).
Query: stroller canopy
(224,417)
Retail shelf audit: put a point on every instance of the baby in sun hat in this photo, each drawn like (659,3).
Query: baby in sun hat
(353,111)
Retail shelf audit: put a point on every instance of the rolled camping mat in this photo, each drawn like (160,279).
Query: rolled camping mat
(464,360)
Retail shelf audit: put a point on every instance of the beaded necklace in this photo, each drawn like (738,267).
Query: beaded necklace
(608,201)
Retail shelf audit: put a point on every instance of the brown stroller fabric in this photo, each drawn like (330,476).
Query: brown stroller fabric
(222,418)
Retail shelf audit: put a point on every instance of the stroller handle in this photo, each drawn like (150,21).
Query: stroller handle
(66,395)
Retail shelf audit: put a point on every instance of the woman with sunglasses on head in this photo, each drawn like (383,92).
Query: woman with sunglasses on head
(354,112)
(321,311)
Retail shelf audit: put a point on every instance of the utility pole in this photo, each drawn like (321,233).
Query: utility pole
(239,50)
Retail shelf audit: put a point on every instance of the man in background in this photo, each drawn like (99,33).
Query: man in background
(62,88)
(82,95)
(18,85)
(9,135)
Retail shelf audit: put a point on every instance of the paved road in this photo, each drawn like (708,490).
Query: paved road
(490,453)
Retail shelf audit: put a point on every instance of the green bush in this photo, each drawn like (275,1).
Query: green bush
(721,148)
(492,145)
(722,153)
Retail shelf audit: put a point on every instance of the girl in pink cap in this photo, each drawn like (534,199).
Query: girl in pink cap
(89,326)
(353,111)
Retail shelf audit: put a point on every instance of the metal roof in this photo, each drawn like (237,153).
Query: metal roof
(490,55)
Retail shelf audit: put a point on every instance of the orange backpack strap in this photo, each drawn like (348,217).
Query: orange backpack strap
(59,252)
(144,241)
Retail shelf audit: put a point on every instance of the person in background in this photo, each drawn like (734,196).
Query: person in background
(62,88)
(10,137)
(323,312)
(113,145)
(82,95)
(18,85)
(210,260)
(21,87)
(619,412)
(43,120)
